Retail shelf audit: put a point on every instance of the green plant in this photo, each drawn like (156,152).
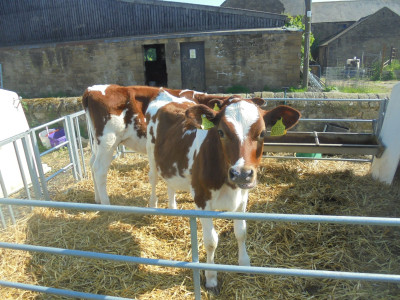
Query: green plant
(376,71)
(237,89)
(389,75)
(298,23)
(330,88)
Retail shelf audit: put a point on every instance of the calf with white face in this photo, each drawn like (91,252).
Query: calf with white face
(218,166)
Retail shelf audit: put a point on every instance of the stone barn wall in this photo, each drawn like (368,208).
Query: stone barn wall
(253,58)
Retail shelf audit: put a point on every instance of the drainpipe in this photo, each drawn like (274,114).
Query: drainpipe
(307,43)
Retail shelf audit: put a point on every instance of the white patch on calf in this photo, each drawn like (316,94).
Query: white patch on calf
(99,88)
(163,99)
(242,115)
(195,148)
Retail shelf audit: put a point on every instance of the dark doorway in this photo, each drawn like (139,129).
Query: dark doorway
(155,66)
(192,66)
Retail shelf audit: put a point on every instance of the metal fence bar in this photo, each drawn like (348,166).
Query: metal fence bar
(74,148)
(324,99)
(80,147)
(39,165)
(59,292)
(319,158)
(338,120)
(21,169)
(5,195)
(68,134)
(195,257)
(205,266)
(3,220)
(54,148)
(62,170)
(48,124)
(209,214)
(31,167)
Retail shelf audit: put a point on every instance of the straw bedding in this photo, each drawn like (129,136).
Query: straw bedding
(285,186)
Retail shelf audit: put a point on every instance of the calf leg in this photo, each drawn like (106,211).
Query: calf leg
(171,198)
(210,238)
(240,233)
(96,192)
(100,168)
(153,176)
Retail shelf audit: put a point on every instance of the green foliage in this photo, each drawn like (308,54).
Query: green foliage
(297,90)
(237,89)
(150,54)
(298,22)
(331,89)
(389,75)
(376,71)
(360,89)
(389,70)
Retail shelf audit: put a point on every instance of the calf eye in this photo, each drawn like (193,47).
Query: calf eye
(221,133)
(262,134)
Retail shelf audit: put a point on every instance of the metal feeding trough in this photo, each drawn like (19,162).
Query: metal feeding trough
(325,142)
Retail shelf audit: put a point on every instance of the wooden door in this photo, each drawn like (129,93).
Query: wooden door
(192,66)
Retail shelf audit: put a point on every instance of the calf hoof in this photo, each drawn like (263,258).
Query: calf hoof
(214,290)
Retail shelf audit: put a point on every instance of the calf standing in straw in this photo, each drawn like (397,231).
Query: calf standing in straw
(213,154)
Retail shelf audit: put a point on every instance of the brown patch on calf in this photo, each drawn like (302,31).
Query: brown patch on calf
(171,145)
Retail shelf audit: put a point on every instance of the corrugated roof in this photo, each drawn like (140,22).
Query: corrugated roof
(350,10)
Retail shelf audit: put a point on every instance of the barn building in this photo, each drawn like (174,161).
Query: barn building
(51,48)
(342,29)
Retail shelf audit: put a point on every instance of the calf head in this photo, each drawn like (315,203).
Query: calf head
(239,128)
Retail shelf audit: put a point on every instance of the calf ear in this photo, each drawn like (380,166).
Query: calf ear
(258,101)
(289,115)
(194,113)
(215,103)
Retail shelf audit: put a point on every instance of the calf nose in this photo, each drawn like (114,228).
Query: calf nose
(242,176)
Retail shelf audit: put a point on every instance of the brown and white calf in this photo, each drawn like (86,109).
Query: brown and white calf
(218,166)
(117,116)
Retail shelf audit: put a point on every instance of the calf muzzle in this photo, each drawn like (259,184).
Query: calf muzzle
(245,178)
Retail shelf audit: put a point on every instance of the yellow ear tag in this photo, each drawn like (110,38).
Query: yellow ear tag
(216,108)
(205,123)
(278,129)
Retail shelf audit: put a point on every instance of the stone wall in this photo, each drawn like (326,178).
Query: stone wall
(252,58)
(40,111)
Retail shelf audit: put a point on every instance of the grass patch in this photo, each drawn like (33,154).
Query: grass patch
(361,89)
(237,89)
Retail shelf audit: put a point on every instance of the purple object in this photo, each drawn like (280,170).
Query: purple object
(57,137)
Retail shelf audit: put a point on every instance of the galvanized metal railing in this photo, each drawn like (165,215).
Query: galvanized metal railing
(195,265)
(376,124)
(31,158)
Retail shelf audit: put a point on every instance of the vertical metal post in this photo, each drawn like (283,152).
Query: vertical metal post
(195,257)
(1,77)
(79,138)
(39,165)
(382,110)
(31,167)
(5,195)
(307,34)
(21,170)
(71,150)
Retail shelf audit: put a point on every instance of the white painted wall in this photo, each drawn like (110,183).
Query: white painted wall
(12,122)
(384,168)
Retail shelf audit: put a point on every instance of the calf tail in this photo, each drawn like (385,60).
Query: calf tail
(85,100)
